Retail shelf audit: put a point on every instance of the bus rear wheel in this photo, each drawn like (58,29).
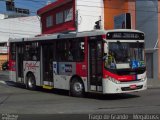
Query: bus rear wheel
(77,88)
(31,82)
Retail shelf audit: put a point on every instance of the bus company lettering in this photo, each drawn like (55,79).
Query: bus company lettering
(30,66)
(68,68)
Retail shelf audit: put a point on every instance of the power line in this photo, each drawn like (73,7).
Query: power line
(34,0)
(40,3)
(17,33)
(18,30)
(88,1)
(30,4)
(22,3)
(37,1)
(119,8)
(32,8)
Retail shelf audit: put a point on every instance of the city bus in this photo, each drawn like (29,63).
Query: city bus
(98,61)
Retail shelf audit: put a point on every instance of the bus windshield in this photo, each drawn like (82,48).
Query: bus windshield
(123,55)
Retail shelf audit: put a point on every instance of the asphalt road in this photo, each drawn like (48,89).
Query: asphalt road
(18,100)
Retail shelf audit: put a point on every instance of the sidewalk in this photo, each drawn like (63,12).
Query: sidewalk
(153,84)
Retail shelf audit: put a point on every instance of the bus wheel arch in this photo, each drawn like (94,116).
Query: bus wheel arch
(77,88)
(30,81)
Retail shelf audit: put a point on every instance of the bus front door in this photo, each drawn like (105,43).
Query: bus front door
(19,61)
(95,64)
(47,64)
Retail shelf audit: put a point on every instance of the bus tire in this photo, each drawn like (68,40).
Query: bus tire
(31,82)
(76,88)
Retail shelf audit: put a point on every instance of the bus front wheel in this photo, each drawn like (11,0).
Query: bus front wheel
(31,83)
(77,88)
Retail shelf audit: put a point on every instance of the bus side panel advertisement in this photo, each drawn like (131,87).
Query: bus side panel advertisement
(64,68)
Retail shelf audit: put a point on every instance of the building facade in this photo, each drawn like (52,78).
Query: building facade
(78,15)
(147,17)
(71,15)
(114,8)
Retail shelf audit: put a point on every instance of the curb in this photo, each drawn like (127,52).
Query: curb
(153,87)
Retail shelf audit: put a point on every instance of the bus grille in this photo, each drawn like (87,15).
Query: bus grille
(128,88)
(131,81)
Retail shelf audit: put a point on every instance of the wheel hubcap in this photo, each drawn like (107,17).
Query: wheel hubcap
(78,87)
(30,83)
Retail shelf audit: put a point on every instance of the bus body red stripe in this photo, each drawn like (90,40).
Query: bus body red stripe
(118,77)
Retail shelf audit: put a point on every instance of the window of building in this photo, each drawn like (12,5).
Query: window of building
(68,14)
(49,21)
(32,52)
(59,18)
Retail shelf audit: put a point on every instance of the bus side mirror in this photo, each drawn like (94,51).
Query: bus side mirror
(106,48)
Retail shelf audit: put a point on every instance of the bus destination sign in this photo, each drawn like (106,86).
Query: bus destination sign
(125,35)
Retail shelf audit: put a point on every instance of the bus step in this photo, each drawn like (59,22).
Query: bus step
(47,87)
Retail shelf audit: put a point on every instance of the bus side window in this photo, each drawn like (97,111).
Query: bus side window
(79,50)
(60,53)
(32,52)
(71,50)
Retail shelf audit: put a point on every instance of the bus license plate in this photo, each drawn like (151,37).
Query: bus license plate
(133,86)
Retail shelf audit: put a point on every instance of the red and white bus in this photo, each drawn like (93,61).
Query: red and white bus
(106,62)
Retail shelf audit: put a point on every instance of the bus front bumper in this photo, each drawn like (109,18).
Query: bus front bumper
(110,87)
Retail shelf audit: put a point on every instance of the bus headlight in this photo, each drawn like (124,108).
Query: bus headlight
(114,80)
(144,79)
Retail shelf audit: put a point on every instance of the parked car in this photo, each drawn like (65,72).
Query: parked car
(5,66)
